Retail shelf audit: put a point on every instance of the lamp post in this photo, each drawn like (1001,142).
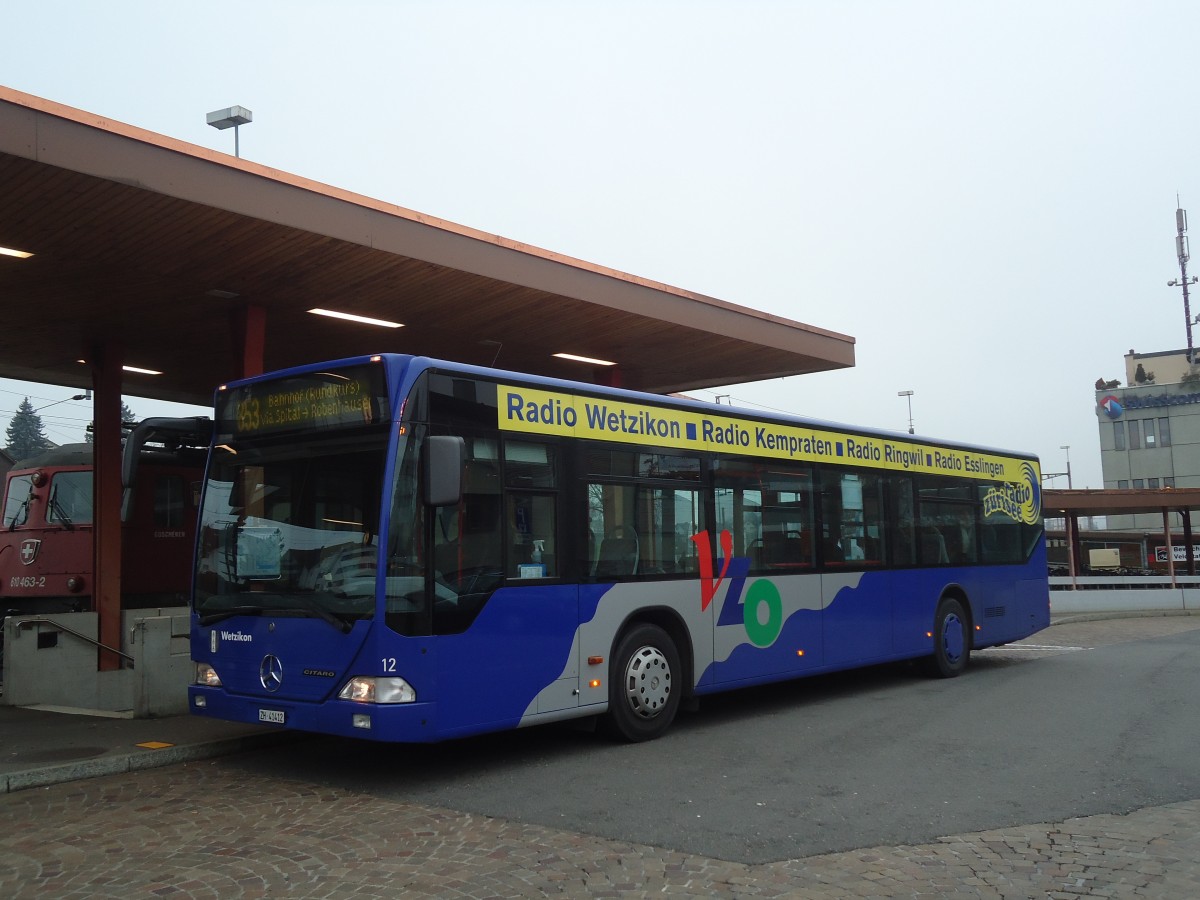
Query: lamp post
(87,396)
(231,118)
(909,395)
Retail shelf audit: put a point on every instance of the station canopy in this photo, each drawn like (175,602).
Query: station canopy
(1124,502)
(161,246)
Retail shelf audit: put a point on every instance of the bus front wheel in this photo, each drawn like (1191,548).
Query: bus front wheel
(951,639)
(644,687)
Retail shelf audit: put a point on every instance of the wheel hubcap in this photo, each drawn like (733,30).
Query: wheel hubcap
(953,640)
(647,682)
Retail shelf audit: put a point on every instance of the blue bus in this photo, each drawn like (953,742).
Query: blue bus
(406,549)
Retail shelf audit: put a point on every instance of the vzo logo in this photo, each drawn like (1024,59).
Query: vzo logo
(762,612)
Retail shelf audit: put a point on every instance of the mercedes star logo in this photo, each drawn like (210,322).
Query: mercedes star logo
(270,673)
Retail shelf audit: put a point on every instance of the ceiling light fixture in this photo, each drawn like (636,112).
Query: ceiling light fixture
(350,317)
(19,254)
(585,359)
(140,371)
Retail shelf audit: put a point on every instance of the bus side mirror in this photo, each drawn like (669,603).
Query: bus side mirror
(445,457)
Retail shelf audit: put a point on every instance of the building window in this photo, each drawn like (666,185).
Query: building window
(1148,430)
(1169,482)
(1119,435)
(1164,432)
(1135,435)
(1152,483)
(1123,484)
(1139,484)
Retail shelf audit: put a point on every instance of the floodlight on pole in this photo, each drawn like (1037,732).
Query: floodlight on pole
(232,117)
(84,396)
(909,395)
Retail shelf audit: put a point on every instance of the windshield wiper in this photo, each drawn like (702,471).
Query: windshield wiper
(220,616)
(321,612)
(58,510)
(23,508)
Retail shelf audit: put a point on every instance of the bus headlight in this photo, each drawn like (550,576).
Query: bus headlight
(206,675)
(373,689)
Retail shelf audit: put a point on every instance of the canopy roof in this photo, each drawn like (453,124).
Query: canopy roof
(159,245)
(1118,502)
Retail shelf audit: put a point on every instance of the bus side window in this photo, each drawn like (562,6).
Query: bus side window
(532,526)
(852,510)
(531,498)
(474,559)
(768,508)
(642,516)
(468,554)
(902,518)
(611,513)
(948,515)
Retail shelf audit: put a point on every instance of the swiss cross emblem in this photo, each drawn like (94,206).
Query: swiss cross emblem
(29,550)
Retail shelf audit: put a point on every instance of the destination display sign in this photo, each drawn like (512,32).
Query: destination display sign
(338,398)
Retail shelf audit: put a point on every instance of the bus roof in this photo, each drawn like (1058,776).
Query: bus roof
(416,364)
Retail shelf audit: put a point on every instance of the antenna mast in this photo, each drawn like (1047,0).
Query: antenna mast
(1181,249)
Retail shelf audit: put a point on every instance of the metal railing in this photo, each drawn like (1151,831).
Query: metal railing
(29,623)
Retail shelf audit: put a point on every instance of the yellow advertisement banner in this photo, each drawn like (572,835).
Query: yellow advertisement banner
(543,412)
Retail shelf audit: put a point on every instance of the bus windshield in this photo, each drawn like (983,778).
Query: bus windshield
(290,527)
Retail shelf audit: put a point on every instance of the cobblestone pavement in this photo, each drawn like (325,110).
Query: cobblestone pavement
(210,830)
(205,830)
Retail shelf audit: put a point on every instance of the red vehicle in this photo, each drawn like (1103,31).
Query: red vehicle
(46,530)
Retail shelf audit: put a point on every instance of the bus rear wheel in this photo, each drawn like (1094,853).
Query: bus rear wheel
(951,639)
(644,688)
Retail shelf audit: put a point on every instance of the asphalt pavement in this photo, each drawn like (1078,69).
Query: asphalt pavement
(122,838)
(43,746)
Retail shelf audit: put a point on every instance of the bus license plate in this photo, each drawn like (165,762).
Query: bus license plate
(275,716)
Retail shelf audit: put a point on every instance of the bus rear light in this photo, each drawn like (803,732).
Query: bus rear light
(206,675)
(372,689)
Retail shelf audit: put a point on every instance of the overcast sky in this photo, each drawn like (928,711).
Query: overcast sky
(981,193)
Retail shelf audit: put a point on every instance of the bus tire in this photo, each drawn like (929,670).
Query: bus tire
(644,685)
(951,639)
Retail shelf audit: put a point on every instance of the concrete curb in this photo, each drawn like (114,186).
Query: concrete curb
(1099,616)
(124,763)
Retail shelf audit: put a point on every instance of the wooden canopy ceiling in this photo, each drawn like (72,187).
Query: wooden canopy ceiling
(156,244)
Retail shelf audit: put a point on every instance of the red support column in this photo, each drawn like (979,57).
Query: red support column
(106,361)
(609,376)
(1073,549)
(1170,549)
(248,328)
(1187,540)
